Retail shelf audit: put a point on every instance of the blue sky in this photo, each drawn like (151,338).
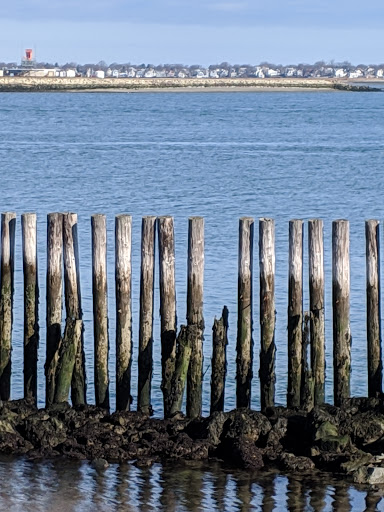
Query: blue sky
(194,32)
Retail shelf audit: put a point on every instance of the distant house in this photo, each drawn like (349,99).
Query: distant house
(150,73)
(71,73)
(340,73)
(273,72)
(100,73)
(380,73)
(356,74)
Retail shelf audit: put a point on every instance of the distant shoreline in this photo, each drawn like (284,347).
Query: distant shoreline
(81,84)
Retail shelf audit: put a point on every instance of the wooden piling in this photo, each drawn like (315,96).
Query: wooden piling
(195,317)
(219,361)
(100,309)
(372,236)
(54,301)
(73,304)
(267,312)
(8,227)
(306,392)
(295,312)
(167,306)
(147,278)
(123,243)
(244,346)
(67,358)
(340,300)
(31,304)
(185,340)
(316,305)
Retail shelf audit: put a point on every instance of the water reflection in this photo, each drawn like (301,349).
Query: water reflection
(177,487)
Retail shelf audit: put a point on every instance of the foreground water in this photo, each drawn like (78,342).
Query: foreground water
(225,155)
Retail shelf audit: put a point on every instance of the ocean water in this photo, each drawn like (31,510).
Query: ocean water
(219,155)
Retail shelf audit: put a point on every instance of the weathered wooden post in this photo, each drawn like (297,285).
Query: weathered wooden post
(195,289)
(123,244)
(54,301)
(295,312)
(167,306)
(31,304)
(185,340)
(340,299)
(8,227)
(100,309)
(372,235)
(67,358)
(244,347)
(73,305)
(219,361)
(147,278)
(267,312)
(316,305)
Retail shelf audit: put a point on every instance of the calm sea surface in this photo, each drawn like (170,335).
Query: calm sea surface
(222,156)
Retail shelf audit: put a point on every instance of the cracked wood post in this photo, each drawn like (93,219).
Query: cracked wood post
(295,311)
(195,291)
(267,312)
(8,227)
(372,235)
(340,300)
(219,361)
(54,301)
(316,306)
(67,358)
(100,309)
(185,340)
(244,346)
(147,278)
(167,306)
(123,267)
(31,304)
(73,303)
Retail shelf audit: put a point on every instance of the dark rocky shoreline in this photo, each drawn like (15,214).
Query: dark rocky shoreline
(347,439)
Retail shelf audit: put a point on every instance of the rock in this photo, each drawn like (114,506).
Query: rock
(245,423)
(291,462)
(245,455)
(99,464)
(356,461)
(369,475)
(366,428)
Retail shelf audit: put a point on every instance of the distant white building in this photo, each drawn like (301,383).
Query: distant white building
(71,73)
(340,73)
(273,72)
(356,74)
(131,72)
(380,73)
(100,73)
(150,73)
(213,73)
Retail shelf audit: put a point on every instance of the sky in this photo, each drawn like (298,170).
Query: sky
(193,31)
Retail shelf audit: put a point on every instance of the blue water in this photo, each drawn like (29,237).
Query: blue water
(222,156)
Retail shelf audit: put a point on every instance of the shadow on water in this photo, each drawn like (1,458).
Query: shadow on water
(185,487)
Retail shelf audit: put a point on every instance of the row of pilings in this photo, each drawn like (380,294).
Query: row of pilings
(182,350)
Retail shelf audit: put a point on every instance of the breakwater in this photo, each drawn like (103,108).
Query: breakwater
(342,431)
(46,84)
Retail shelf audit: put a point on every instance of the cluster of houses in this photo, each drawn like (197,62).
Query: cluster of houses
(240,72)
(29,67)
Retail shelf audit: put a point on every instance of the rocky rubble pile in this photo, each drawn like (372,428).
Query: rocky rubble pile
(347,439)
